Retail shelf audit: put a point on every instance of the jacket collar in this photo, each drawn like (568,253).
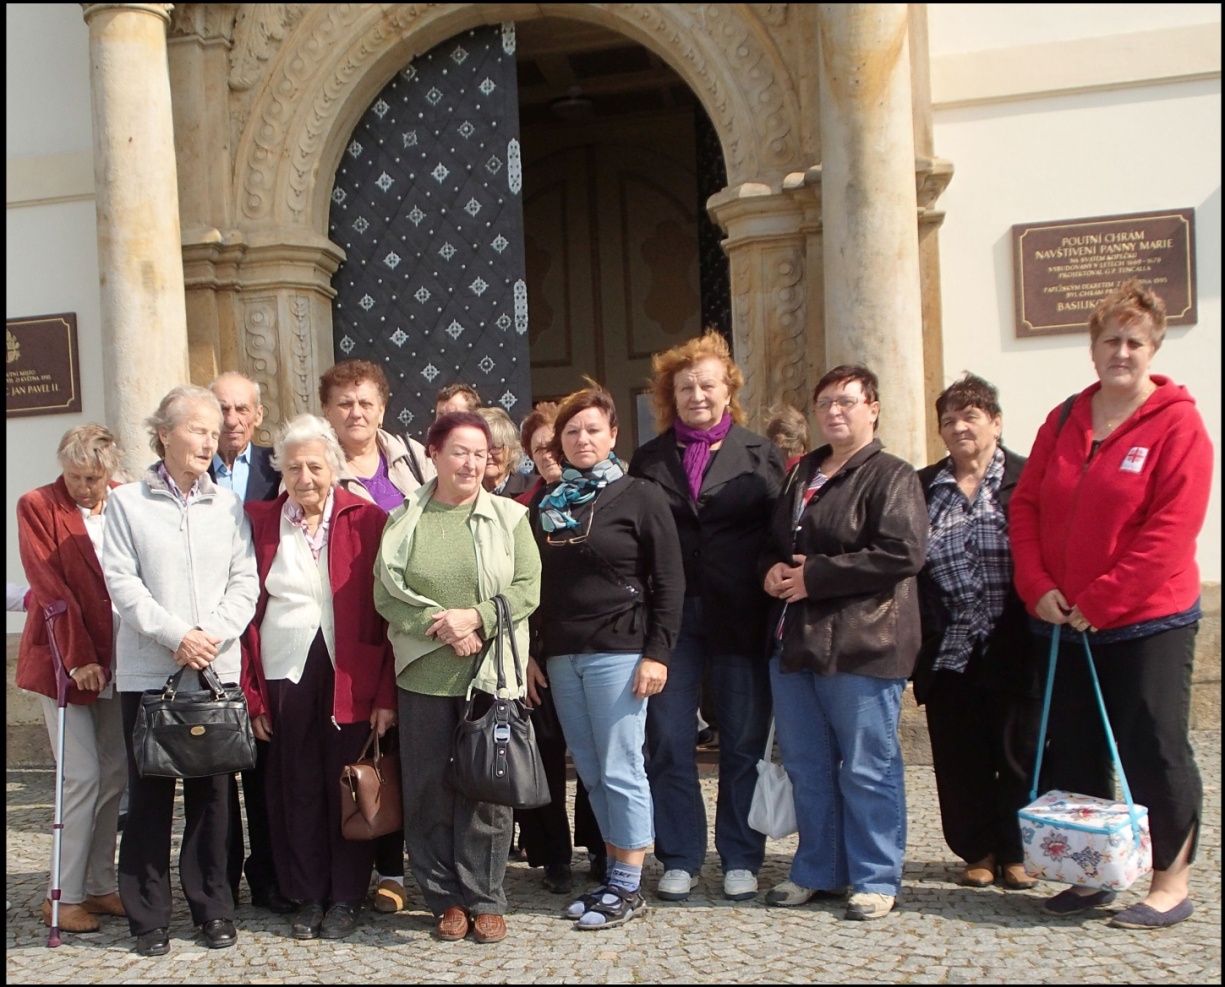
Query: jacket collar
(153,480)
(662,463)
(75,524)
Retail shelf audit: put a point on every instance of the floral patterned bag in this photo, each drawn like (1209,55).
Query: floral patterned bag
(1078,839)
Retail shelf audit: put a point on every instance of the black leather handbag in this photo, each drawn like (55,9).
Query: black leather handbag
(495,754)
(180,734)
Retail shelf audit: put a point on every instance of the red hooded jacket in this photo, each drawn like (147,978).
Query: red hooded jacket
(1115,534)
(365,671)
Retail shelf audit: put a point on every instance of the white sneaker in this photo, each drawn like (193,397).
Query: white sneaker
(866,905)
(739,885)
(789,894)
(675,885)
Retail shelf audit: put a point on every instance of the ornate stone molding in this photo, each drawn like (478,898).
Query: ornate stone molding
(302,374)
(260,332)
(208,22)
(258,33)
(311,80)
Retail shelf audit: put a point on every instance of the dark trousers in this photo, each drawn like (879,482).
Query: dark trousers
(144,852)
(1146,684)
(457,848)
(545,832)
(261,874)
(983,748)
(306,756)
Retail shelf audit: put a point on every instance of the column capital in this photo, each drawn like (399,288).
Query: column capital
(161,10)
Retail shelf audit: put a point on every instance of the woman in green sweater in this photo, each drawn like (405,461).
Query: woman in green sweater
(444,555)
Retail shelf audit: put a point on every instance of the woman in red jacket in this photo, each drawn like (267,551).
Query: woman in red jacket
(59,530)
(1104,521)
(317,672)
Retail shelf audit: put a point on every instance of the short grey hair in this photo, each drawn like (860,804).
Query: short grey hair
(89,446)
(309,428)
(174,407)
(504,434)
(235,374)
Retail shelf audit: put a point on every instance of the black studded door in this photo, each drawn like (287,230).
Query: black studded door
(427,206)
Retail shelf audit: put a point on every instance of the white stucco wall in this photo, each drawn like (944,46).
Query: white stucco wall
(1018,159)
(51,262)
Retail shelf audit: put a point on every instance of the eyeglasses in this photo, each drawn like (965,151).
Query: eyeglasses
(846,403)
(577,539)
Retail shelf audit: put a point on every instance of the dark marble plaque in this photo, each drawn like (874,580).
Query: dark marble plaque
(42,371)
(1062,270)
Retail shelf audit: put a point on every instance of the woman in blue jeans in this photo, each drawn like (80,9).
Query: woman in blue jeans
(721,481)
(611,590)
(848,538)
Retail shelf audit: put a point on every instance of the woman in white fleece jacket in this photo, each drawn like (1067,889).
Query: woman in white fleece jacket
(180,569)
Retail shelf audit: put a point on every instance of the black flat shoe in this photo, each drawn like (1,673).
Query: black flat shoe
(558,879)
(272,899)
(155,943)
(308,921)
(219,933)
(340,921)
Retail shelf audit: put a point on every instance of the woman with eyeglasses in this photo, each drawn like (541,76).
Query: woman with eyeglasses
(848,539)
(612,590)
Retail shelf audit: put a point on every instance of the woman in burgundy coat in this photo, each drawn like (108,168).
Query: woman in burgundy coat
(59,530)
(317,672)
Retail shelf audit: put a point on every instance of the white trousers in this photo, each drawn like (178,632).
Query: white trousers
(95,776)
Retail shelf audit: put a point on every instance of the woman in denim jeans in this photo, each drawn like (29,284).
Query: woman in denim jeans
(849,537)
(721,481)
(612,586)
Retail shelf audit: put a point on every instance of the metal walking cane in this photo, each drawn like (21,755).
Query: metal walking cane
(51,613)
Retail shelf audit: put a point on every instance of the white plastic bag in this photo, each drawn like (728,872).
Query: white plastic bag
(773,808)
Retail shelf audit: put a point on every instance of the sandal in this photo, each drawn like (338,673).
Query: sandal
(623,907)
(586,902)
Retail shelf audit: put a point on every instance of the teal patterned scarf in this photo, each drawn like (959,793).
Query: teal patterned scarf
(577,487)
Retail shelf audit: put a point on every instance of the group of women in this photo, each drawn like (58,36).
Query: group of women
(364,598)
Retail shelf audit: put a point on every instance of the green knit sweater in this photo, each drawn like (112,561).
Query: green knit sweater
(443,567)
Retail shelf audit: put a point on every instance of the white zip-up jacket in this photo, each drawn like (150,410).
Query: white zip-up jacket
(171,566)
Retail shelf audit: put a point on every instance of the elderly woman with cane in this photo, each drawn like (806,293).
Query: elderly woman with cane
(60,533)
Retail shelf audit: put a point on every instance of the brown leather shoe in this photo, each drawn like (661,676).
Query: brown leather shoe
(1016,879)
(72,918)
(105,904)
(488,928)
(453,925)
(980,874)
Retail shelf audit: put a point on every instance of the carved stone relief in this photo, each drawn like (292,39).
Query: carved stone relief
(259,326)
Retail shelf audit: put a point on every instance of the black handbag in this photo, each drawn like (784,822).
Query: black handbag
(495,754)
(180,734)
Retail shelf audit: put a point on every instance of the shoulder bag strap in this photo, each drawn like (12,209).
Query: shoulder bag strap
(504,620)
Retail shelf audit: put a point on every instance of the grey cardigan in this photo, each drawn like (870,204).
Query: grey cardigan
(171,566)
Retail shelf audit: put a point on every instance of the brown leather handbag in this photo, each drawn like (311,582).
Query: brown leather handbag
(370,802)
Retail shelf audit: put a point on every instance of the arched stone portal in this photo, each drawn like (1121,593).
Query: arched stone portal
(258,263)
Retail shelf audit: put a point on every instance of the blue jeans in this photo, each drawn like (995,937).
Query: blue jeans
(838,738)
(741,693)
(605,726)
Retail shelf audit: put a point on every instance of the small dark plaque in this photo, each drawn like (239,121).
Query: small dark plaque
(42,372)
(1062,270)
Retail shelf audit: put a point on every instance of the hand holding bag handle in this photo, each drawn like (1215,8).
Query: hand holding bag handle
(192,734)
(495,757)
(370,793)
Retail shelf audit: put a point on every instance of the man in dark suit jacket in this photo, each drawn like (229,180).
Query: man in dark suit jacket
(246,468)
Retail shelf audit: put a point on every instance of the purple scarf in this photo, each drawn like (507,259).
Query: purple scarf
(697,448)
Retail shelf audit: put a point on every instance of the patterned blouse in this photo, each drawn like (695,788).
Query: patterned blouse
(969,560)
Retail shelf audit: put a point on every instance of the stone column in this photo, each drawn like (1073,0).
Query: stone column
(144,323)
(873,303)
(770,247)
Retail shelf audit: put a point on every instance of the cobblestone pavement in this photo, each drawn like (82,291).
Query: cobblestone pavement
(940,933)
